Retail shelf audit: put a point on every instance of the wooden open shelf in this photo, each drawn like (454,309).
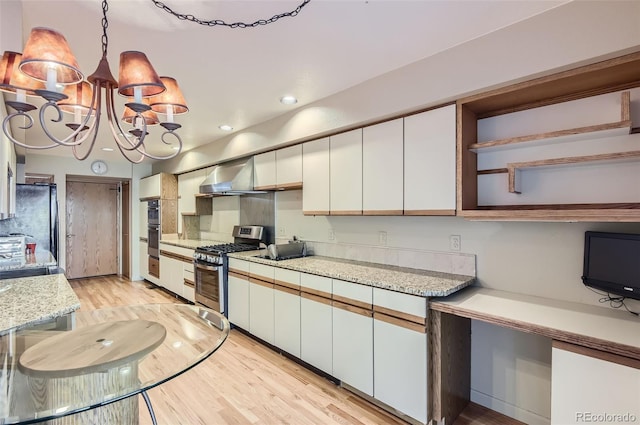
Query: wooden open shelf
(617,128)
(514,167)
(604,77)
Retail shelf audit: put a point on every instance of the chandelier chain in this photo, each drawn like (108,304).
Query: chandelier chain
(220,22)
(105,24)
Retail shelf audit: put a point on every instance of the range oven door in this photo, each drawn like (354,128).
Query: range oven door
(208,285)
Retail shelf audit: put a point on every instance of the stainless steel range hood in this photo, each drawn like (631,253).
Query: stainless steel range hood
(232,178)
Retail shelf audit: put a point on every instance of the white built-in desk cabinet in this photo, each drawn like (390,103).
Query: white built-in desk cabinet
(595,352)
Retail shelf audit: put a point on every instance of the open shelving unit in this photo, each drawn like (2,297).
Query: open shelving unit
(604,77)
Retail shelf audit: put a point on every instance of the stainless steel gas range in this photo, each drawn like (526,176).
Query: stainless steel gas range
(211,266)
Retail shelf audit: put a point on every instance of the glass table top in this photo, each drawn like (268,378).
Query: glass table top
(89,359)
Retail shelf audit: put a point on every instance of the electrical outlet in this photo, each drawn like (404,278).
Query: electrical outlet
(332,235)
(382,238)
(281,231)
(454,242)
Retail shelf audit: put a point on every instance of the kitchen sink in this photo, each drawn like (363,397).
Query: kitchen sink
(290,257)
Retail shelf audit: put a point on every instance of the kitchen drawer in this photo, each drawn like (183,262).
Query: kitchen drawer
(288,278)
(353,293)
(154,267)
(317,285)
(403,306)
(186,253)
(240,266)
(262,272)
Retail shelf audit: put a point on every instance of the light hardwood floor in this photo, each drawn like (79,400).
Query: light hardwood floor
(244,382)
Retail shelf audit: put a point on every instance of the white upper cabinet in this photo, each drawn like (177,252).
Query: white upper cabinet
(430,162)
(315,177)
(382,164)
(188,188)
(346,173)
(150,187)
(264,171)
(289,167)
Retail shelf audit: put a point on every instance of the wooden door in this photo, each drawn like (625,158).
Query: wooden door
(92,248)
(126,230)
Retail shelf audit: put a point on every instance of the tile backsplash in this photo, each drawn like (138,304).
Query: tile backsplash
(446,262)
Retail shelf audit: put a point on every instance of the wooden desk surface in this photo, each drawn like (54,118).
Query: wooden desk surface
(600,328)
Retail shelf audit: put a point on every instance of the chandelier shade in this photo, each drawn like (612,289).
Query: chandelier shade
(171,98)
(47,57)
(79,97)
(150,117)
(12,79)
(136,72)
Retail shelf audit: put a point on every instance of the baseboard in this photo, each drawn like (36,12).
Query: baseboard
(508,409)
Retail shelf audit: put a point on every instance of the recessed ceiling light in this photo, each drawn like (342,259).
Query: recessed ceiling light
(107,149)
(225,127)
(288,100)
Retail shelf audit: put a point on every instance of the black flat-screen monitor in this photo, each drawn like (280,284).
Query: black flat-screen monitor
(612,263)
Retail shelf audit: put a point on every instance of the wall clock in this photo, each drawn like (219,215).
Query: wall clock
(99,167)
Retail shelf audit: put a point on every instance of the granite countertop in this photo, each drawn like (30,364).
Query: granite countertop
(190,243)
(41,258)
(402,279)
(28,300)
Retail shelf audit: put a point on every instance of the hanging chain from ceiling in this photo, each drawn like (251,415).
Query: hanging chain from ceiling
(219,22)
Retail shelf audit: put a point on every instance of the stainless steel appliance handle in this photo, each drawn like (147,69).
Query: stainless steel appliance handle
(203,267)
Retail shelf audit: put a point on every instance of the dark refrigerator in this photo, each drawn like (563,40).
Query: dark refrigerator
(36,216)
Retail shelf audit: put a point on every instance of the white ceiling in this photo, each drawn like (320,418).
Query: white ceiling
(237,76)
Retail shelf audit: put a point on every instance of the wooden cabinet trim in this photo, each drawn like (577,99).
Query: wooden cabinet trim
(382,212)
(431,212)
(316,212)
(175,256)
(316,298)
(234,273)
(260,282)
(422,328)
(346,212)
(601,355)
(190,283)
(351,301)
(154,267)
(315,292)
(286,289)
(289,186)
(352,309)
(287,284)
(262,278)
(267,187)
(400,315)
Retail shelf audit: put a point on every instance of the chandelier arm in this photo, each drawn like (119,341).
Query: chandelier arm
(92,130)
(172,155)
(126,154)
(220,22)
(72,136)
(116,129)
(7,132)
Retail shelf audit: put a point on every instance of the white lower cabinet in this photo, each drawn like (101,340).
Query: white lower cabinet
(400,352)
(188,289)
(286,299)
(171,277)
(353,346)
(144,260)
(261,310)
(287,319)
(316,341)
(587,388)
(400,368)
(239,300)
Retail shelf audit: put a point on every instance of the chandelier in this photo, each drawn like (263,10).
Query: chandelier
(47,68)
